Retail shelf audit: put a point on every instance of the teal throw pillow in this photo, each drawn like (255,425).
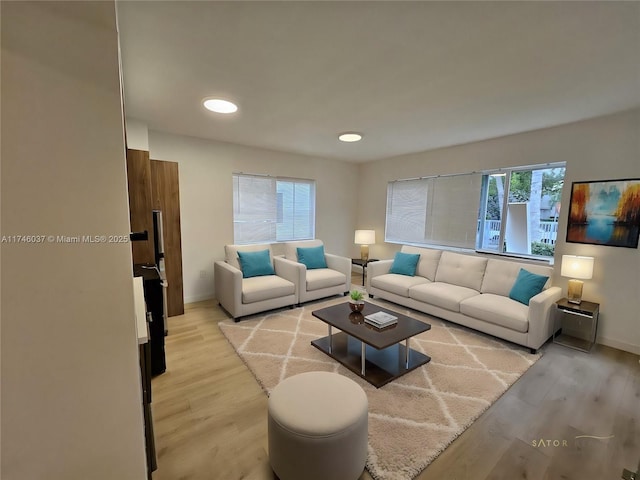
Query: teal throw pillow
(527,285)
(255,264)
(312,257)
(405,263)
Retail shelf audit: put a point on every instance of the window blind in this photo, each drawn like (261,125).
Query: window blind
(272,209)
(406,211)
(434,210)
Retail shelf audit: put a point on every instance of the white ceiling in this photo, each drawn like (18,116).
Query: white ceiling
(411,76)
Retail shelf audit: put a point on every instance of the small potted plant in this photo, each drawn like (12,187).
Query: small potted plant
(356,301)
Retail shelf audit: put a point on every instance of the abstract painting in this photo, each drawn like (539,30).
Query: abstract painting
(605,213)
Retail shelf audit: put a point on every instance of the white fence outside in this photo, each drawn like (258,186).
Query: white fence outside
(548,232)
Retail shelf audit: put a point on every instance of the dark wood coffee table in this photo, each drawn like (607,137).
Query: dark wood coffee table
(377,355)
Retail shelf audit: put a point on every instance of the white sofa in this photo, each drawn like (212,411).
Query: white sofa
(245,296)
(472,291)
(318,282)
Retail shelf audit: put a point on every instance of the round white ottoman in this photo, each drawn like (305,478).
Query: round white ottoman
(318,427)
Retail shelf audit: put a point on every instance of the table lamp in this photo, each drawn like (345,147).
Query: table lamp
(365,238)
(577,268)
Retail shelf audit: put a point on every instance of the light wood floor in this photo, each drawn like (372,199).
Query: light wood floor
(210,415)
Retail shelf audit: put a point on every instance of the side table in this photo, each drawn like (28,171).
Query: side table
(578,324)
(363,264)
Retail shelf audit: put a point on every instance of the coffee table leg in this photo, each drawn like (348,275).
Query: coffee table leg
(330,340)
(406,354)
(362,357)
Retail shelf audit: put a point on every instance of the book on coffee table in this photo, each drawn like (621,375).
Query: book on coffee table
(380,319)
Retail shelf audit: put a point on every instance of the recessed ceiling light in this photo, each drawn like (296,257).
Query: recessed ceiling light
(350,137)
(219,106)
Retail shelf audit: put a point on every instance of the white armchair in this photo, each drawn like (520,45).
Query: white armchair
(241,296)
(314,283)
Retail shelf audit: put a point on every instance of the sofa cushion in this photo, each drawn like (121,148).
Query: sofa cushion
(405,263)
(231,252)
(312,257)
(318,278)
(443,295)
(498,310)
(500,275)
(428,263)
(462,270)
(527,285)
(291,248)
(397,284)
(257,289)
(255,264)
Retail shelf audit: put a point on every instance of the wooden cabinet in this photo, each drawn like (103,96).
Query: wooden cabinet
(154,184)
(140,207)
(165,196)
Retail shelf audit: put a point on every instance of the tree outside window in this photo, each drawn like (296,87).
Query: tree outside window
(531,199)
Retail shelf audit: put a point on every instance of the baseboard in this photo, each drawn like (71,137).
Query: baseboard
(627,347)
(198,298)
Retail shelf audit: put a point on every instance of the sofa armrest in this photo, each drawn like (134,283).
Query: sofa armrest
(289,270)
(228,285)
(339,264)
(541,323)
(381,267)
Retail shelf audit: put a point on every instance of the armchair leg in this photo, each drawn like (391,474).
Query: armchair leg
(533,351)
(345,294)
(371,295)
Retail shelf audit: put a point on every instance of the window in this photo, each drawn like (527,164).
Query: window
(271,209)
(434,210)
(519,210)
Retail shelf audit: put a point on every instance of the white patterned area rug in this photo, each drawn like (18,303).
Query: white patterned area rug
(413,418)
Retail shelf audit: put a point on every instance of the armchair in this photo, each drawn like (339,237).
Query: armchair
(332,279)
(240,295)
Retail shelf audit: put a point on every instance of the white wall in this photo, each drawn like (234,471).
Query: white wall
(137,134)
(206,214)
(71,400)
(598,149)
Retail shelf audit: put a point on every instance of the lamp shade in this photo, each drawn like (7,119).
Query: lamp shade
(574,266)
(365,237)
